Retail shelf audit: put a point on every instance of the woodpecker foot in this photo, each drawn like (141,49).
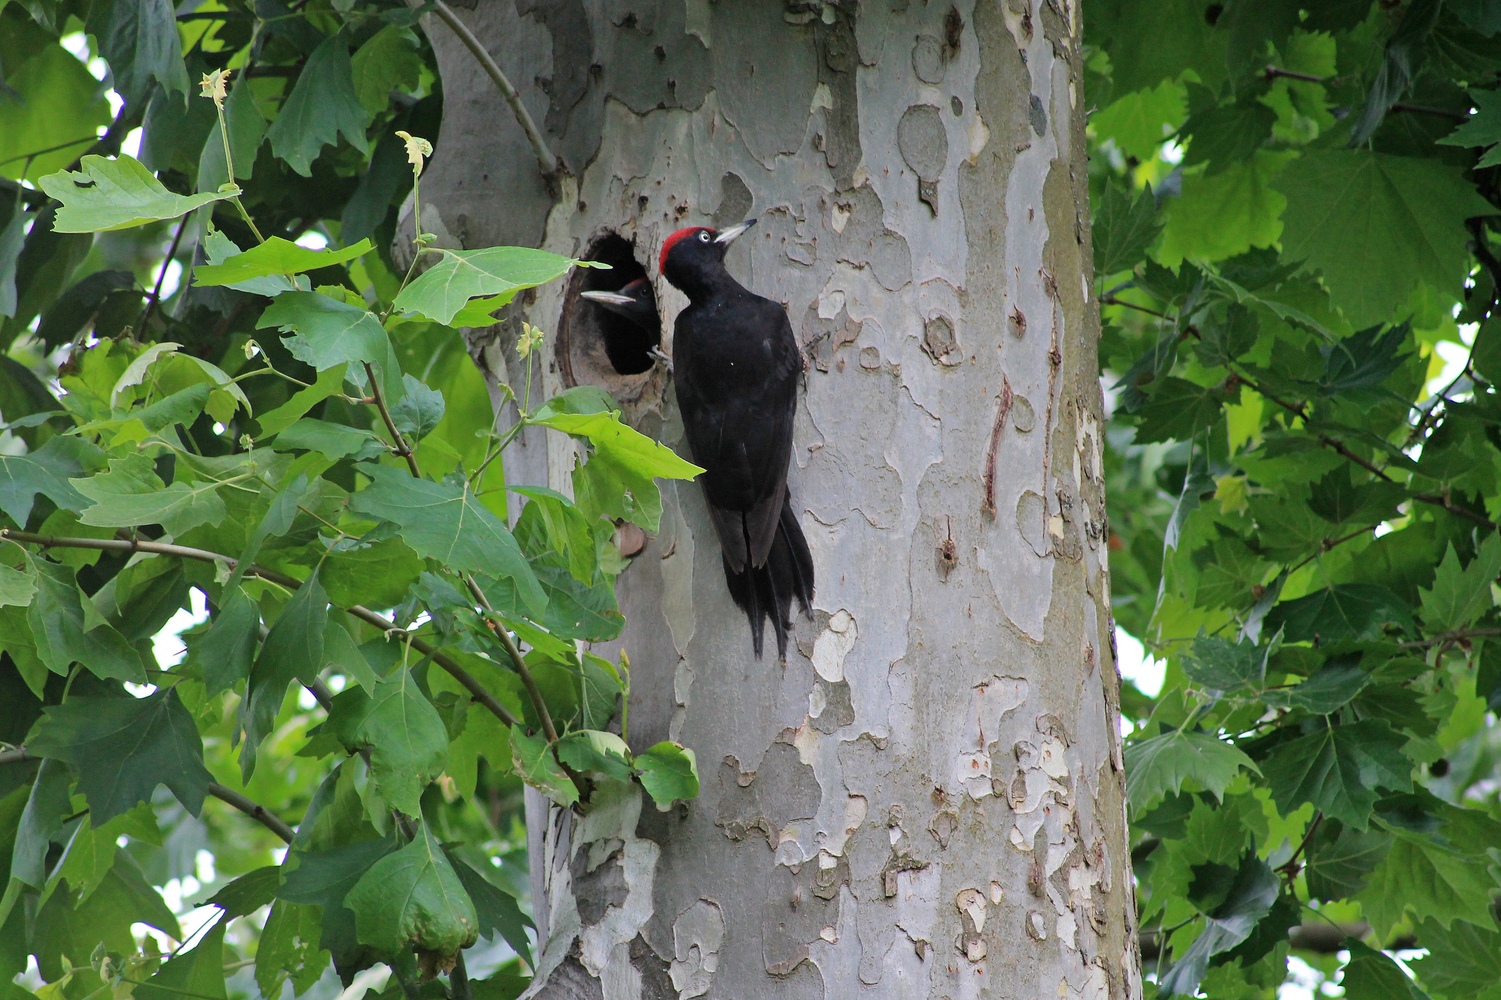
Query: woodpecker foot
(664,360)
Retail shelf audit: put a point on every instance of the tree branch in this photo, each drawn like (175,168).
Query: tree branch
(379,398)
(517,660)
(548,163)
(253,809)
(443,660)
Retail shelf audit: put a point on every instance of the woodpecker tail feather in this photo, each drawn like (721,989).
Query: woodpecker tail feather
(767,591)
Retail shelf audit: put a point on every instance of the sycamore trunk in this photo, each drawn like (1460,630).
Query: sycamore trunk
(927,800)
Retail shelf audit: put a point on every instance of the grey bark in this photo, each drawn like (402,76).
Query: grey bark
(927,800)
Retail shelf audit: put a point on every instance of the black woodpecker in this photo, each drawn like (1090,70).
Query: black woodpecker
(736,371)
(631,350)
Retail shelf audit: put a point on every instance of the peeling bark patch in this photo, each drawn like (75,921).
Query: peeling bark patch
(899,862)
(792,918)
(735,201)
(939,341)
(823,336)
(600,889)
(747,798)
(866,242)
(1037,115)
(927,59)
(697,936)
(833,645)
(923,141)
(971,905)
(656,982)
(834,708)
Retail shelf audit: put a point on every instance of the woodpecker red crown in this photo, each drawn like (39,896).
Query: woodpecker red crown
(675,239)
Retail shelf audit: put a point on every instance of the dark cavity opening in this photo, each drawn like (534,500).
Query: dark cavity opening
(613,337)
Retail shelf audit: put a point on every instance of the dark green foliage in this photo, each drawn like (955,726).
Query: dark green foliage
(1304,513)
(295,441)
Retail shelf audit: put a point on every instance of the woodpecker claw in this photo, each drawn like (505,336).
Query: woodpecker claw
(664,360)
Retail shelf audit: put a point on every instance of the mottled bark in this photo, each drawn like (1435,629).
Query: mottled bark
(927,801)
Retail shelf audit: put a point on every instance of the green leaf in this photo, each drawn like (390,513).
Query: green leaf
(1227,666)
(375,573)
(668,772)
(460,275)
(293,650)
(1164,763)
(323,105)
(141,43)
(220,248)
(419,411)
(413,898)
(1177,409)
(405,736)
(289,943)
(1224,214)
(45,471)
(388,61)
(1226,134)
(117,194)
(1358,611)
(130,495)
(1341,859)
(1141,121)
(122,748)
(198,974)
(1363,360)
(1459,596)
(40,73)
(1339,768)
(618,479)
(446,522)
(1483,128)
(1328,690)
(535,764)
(248,893)
(226,651)
(1462,961)
(324,878)
(496,909)
(332,441)
(1371,975)
(330,382)
(275,256)
(41,820)
(1124,226)
(1376,225)
(68,630)
(17,587)
(1249,898)
(330,333)
(1432,880)
(592,750)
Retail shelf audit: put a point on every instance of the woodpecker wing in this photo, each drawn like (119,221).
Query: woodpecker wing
(737,364)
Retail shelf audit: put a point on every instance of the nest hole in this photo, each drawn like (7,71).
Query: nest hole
(600,345)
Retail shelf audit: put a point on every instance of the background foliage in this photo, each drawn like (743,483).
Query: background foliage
(1296,208)
(227,407)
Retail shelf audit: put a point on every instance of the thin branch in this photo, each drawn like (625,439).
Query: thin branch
(547,162)
(14,756)
(1457,635)
(444,661)
(1273,72)
(1109,299)
(517,660)
(401,447)
(156,292)
(1424,109)
(253,809)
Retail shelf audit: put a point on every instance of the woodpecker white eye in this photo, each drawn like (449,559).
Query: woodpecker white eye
(703,236)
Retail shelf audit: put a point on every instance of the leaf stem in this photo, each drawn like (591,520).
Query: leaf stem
(402,448)
(517,660)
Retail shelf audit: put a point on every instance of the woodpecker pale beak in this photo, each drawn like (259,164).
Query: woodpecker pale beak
(730,235)
(608,298)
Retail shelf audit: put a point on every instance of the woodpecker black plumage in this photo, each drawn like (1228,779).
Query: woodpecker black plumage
(637,304)
(736,371)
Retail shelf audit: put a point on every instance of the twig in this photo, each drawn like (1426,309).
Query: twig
(402,448)
(548,163)
(444,661)
(156,292)
(1290,869)
(253,809)
(1109,299)
(1424,109)
(517,660)
(458,978)
(987,502)
(1454,636)
(1273,72)
(15,755)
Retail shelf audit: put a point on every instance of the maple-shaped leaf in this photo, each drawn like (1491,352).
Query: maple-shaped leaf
(323,105)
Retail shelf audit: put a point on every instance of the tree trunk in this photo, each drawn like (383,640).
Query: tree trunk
(927,800)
